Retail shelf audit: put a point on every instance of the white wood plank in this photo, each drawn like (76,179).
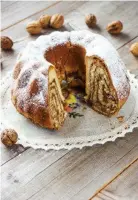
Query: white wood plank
(8,153)
(129,59)
(20,10)
(106,12)
(106,196)
(86,170)
(90,189)
(6,4)
(68,176)
(61,7)
(25,167)
(124,187)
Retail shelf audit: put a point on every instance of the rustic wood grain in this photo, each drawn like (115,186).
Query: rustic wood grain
(121,187)
(22,10)
(107,12)
(59,7)
(6,4)
(25,168)
(9,153)
(129,59)
(78,174)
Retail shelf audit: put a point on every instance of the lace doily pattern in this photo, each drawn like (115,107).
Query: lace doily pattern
(92,128)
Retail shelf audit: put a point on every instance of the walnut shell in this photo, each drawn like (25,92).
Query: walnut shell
(9,137)
(34,28)
(6,43)
(115,27)
(45,21)
(134,49)
(90,20)
(57,21)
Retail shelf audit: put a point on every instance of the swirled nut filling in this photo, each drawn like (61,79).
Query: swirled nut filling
(101,92)
(56,101)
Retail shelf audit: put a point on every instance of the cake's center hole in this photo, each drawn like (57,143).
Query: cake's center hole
(69,61)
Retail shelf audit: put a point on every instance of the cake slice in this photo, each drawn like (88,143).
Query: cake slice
(100,91)
(55,100)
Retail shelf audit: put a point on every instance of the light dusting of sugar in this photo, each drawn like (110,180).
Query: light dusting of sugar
(59,38)
(42,82)
(104,49)
(36,67)
(28,74)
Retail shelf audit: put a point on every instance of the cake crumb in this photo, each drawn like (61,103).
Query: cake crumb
(126,126)
(120,119)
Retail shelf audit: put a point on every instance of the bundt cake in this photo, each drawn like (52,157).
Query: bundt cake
(79,57)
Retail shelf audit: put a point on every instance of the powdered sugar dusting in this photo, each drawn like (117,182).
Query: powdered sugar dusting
(102,48)
(28,74)
(36,67)
(99,46)
(59,38)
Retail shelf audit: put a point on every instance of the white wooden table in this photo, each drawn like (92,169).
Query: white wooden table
(104,172)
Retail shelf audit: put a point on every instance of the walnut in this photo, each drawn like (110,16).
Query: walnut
(45,21)
(134,49)
(115,27)
(6,43)
(57,21)
(34,28)
(90,20)
(9,137)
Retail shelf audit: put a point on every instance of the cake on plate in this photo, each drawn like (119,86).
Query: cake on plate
(81,58)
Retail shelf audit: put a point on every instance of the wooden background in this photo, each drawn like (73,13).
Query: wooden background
(101,172)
